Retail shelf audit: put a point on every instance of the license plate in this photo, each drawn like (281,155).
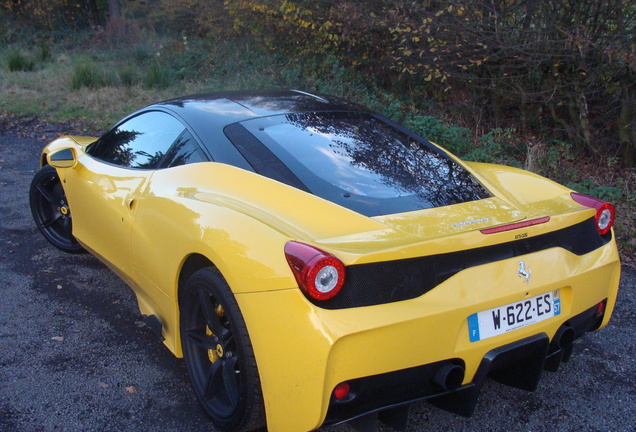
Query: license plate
(492,322)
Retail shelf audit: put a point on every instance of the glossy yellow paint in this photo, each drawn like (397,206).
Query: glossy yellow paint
(345,344)
(146,224)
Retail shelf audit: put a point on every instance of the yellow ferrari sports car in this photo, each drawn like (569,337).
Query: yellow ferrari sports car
(316,263)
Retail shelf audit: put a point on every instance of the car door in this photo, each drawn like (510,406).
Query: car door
(111,178)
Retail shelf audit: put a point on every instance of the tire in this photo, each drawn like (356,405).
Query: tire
(50,210)
(218,353)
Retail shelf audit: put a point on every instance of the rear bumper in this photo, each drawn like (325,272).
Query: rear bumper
(518,364)
(391,353)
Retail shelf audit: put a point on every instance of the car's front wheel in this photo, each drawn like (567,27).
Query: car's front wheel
(50,210)
(218,353)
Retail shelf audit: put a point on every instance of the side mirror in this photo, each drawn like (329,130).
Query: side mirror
(64,158)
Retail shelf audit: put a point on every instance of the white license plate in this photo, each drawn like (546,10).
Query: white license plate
(513,316)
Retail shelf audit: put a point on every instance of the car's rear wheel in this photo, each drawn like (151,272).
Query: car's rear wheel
(50,210)
(218,353)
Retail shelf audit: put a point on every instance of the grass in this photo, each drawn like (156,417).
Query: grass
(93,75)
(73,86)
(100,83)
(17,60)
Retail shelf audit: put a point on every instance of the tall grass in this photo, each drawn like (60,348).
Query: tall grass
(93,76)
(158,76)
(18,60)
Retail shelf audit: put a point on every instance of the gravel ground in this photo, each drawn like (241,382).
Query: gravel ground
(76,356)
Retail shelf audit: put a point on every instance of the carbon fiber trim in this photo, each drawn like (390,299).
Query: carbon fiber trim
(393,281)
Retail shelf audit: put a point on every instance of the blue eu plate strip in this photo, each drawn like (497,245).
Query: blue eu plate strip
(473,327)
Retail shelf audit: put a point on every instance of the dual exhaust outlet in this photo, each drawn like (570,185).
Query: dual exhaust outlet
(450,376)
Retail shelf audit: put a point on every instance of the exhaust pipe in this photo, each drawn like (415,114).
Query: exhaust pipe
(449,377)
(564,337)
(561,348)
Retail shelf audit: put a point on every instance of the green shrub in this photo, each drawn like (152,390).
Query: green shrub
(129,76)
(91,76)
(588,187)
(19,61)
(497,146)
(158,76)
(43,52)
(185,58)
(454,138)
(141,54)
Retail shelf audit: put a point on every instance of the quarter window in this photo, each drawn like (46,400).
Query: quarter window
(185,150)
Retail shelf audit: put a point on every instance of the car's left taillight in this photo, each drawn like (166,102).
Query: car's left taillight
(605,212)
(319,274)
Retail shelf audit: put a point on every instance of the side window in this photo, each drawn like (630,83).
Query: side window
(185,150)
(141,142)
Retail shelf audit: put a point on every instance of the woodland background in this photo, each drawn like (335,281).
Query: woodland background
(547,85)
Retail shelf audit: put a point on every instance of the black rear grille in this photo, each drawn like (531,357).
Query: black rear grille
(392,281)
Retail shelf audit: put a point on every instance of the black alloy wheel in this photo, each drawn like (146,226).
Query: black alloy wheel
(218,353)
(50,210)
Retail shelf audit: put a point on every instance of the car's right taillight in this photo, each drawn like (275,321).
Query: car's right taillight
(605,212)
(318,273)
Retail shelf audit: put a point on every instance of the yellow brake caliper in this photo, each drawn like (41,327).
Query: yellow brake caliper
(213,354)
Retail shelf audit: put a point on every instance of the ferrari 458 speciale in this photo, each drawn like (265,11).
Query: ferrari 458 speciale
(317,263)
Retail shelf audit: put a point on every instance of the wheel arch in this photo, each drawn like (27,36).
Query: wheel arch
(184,237)
(191,264)
(43,161)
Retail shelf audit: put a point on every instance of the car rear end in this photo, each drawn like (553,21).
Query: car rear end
(431,319)
(509,318)
(437,274)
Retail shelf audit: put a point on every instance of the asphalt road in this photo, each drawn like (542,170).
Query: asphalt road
(75,355)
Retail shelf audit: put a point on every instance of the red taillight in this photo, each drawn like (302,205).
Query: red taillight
(600,309)
(605,212)
(342,390)
(319,274)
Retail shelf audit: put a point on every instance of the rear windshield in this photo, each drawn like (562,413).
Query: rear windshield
(363,163)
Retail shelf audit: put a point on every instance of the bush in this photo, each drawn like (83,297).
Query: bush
(497,146)
(454,138)
(43,53)
(186,58)
(141,54)
(589,187)
(91,76)
(129,75)
(18,61)
(158,76)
